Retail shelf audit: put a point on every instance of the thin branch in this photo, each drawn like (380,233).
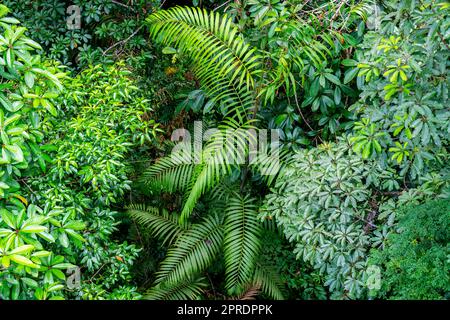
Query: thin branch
(123,5)
(223,4)
(123,41)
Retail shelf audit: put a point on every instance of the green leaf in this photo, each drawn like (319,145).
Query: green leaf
(22,249)
(366,150)
(333,78)
(8,218)
(16,152)
(6,103)
(46,236)
(350,75)
(49,107)
(29,79)
(169,50)
(30,282)
(23,261)
(34,229)
(75,235)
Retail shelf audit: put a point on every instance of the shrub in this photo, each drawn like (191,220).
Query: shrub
(415,260)
(100,124)
(324,204)
(403,77)
(29,86)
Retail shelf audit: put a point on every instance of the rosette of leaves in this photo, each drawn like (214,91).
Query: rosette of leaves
(402,71)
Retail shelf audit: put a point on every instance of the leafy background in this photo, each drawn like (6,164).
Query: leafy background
(357,89)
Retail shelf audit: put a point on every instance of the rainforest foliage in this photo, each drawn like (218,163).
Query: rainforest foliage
(349,202)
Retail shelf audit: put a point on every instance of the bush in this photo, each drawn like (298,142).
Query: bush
(103,117)
(403,75)
(29,86)
(323,202)
(415,261)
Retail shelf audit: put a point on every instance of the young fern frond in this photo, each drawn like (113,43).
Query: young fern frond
(269,282)
(241,242)
(161,224)
(192,252)
(189,289)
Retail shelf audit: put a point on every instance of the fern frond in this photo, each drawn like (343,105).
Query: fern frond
(249,293)
(161,224)
(270,283)
(170,174)
(227,147)
(221,191)
(193,251)
(226,66)
(268,163)
(189,289)
(241,243)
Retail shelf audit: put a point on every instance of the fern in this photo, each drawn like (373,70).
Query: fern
(170,174)
(269,282)
(229,70)
(192,252)
(241,243)
(217,159)
(162,225)
(249,293)
(226,66)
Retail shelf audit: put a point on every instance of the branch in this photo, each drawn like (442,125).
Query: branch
(123,41)
(123,5)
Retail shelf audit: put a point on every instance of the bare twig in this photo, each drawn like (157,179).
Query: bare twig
(123,41)
(338,11)
(123,5)
(223,4)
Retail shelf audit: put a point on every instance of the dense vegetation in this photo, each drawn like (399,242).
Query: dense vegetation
(351,202)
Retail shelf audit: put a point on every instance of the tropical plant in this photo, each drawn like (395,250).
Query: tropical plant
(348,199)
(415,261)
(81,33)
(230,226)
(403,77)
(323,202)
(29,86)
(100,124)
(231,74)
